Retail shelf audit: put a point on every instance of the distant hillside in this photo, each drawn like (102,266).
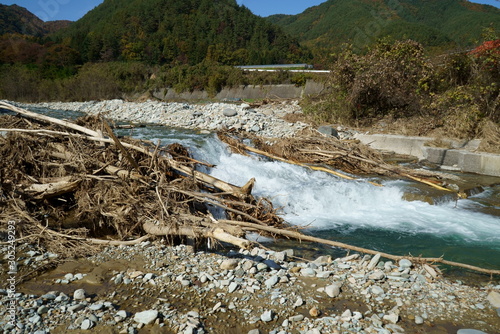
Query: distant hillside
(435,23)
(179,31)
(18,20)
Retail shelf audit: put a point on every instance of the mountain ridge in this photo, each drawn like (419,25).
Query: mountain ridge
(434,23)
(182,31)
(15,19)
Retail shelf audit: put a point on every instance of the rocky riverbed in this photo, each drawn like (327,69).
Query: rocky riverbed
(155,288)
(266,120)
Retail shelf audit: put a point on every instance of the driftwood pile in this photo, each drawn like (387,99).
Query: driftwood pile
(73,186)
(350,157)
(69,183)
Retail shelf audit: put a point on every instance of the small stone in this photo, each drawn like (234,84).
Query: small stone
(76,308)
(229,112)
(419,320)
(296,318)
(87,324)
(49,296)
(35,319)
(377,275)
(267,316)
(96,307)
(494,299)
(254,331)
(329,131)
(42,310)
(146,317)
(216,306)
(314,312)
(232,287)
(376,290)
(193,314)
(405,263)
(392,318)
(262,267)
(333,290)
(229,264)
(79,294)
(298,302)
(470,331)
(122,314)
(69,277)
(325,259)
(374,261)
(271,264)
(272,281)
(308,272)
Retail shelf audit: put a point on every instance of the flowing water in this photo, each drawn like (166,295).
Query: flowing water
(356,212)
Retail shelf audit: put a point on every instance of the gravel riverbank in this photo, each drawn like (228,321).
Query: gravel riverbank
(266,120)
(155,288)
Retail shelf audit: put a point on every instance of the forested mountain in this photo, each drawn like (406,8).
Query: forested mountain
(435,23)
(178,31)
(18,20)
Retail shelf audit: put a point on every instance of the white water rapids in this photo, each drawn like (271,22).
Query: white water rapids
(325,202)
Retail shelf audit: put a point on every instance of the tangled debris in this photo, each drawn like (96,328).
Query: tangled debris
(350,157)
(69,185)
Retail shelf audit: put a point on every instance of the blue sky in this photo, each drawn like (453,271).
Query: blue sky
(49,10)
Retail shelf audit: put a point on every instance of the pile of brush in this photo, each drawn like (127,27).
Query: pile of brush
(69,185)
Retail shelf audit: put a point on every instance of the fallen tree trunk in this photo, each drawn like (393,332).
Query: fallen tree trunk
(302,237)
(195,232)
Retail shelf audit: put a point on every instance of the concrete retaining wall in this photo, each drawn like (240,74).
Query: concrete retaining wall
(245,92)
(460,157)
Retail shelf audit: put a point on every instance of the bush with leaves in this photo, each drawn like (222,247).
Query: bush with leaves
(389,79)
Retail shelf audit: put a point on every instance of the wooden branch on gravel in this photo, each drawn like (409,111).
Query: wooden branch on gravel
(196,232)
(302,237)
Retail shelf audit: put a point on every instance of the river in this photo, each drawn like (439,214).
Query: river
(356,212)
(352,212)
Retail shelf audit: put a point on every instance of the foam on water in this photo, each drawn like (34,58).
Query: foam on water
(324,201)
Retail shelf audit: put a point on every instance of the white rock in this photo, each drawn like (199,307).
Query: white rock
(392,317)
(376,290)
(272,281)
(333,290)
(79,294)
(374,261)
(405,263)
(232,287)
(146,317)
(267,316)
(87,324)
(494,299)
(229,112)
